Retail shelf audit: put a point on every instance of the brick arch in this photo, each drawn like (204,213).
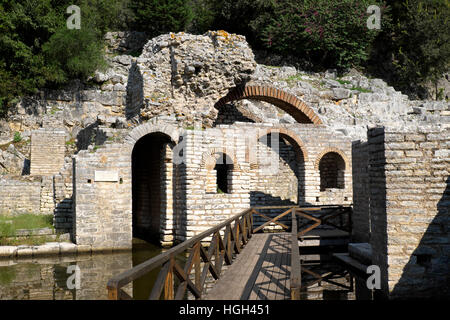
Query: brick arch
(285,101)
(293,139)
(329,150)
(153,126)
(209,161)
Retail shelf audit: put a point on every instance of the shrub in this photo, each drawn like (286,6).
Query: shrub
(328,33)
(17,137)
(73,54)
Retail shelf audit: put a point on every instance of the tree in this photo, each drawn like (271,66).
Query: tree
(37,49)
(161,16)
(420,41)
(328,33)
(24,27)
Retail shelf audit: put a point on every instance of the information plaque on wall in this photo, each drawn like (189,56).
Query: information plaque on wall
(106,176)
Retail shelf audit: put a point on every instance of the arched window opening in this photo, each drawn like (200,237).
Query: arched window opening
(332,170)
(223,168)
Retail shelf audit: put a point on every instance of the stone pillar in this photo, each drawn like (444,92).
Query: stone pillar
(167,191)
(409,197)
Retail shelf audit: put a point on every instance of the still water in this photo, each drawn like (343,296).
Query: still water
(48,278)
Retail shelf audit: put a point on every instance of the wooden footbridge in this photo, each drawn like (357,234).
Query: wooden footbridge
(235,260)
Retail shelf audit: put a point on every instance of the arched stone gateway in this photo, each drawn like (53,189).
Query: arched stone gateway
(152,184)
(285,101)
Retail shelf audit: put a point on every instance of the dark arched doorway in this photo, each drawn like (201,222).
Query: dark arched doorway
(150,179)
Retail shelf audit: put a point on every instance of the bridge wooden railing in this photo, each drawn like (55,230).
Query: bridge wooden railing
(236,233)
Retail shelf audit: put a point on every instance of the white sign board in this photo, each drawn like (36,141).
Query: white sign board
(106,176)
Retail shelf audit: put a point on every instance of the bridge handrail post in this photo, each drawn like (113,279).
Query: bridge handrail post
(296,278)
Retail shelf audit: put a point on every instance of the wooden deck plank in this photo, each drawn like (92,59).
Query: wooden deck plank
(276,274)
(259,290)
(250,284)
(227,287)
(284,293)
(244,269)
(251,276)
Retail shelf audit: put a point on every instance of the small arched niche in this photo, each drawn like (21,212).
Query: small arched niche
(332,171)
(219,176)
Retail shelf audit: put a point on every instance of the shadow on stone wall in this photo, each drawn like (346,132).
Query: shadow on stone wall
(63,217)
(427,274)
(296,163)
(361,199)
(229,114)
(135,92)
(180,203)
(90,135)
(378,219)
(26,167)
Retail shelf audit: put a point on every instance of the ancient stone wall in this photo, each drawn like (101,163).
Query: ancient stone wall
(189,200)
(47,151)
(102,196)
(409,201)
(206,209)
(20,197)
(261,175)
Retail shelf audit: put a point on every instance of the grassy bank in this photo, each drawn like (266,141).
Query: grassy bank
(10,224)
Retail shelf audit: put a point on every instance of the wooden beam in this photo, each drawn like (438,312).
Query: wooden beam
(296,271)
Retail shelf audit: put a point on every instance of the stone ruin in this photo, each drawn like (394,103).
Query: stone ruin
(193,131)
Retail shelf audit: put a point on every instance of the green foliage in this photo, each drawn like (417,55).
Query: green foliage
(106,15)
(343,81)
(328,33)
(235,16)
(361,89)
(37,49)
(17,137)
(203,15)
(73,54)
(421,40)
(24,27)
(161,16)
(219,191)
(292,80)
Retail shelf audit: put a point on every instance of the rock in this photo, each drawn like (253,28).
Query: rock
(7,251)
(341,93)
(332,83)
(330,74)
(108,87)
(100,77)
(120,87)
(123,59)
(67,247)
